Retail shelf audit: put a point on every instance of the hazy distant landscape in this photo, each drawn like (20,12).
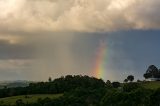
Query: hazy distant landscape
(12,84)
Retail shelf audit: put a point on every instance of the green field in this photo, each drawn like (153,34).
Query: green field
(27,98)
(151,85)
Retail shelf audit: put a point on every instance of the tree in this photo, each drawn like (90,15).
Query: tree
(147,75)
(130,78)
(139,81)
(126,80)
(116,84)
(152,72)
(108,83)
(152,69)
(128,87)
(50,79)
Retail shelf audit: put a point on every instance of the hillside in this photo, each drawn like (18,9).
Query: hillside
(81,90)
(151,85)
(27,98)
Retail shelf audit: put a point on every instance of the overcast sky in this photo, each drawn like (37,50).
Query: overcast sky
(42,38)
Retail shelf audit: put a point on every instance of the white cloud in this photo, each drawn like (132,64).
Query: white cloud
(79,15)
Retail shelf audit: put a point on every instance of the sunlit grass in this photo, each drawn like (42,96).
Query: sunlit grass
(27,98)
(151,85)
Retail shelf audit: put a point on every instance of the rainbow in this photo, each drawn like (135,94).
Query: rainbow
(99,67)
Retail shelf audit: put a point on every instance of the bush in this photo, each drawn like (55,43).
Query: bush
(116,84)
(128,87)
(155,98)
(138,97)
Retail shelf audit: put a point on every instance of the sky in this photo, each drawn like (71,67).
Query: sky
(108,39)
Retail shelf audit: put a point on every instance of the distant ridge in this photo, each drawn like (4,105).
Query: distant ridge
(16,83)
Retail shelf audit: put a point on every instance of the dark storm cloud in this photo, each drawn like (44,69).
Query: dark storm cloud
(61,37)
(15,51)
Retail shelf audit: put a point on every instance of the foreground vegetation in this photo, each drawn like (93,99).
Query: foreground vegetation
(82,91)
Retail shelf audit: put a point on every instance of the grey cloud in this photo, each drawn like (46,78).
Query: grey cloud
(48,32)
(18,69)
(15,51)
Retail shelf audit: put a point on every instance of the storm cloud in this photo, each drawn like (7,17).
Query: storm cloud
(57,37)
(79,15)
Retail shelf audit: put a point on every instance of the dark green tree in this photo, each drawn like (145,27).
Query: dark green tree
(116,84)
(152,72)
(126,80)
(50,79)
(130,78)
(108,83)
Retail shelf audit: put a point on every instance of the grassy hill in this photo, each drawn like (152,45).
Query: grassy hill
(27,99)
(151,85)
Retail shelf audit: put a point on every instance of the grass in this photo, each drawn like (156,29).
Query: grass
(27,99)
(151,85)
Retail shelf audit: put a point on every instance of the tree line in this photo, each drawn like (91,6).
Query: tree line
(59,85)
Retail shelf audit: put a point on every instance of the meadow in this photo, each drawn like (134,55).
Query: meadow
(27,98)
